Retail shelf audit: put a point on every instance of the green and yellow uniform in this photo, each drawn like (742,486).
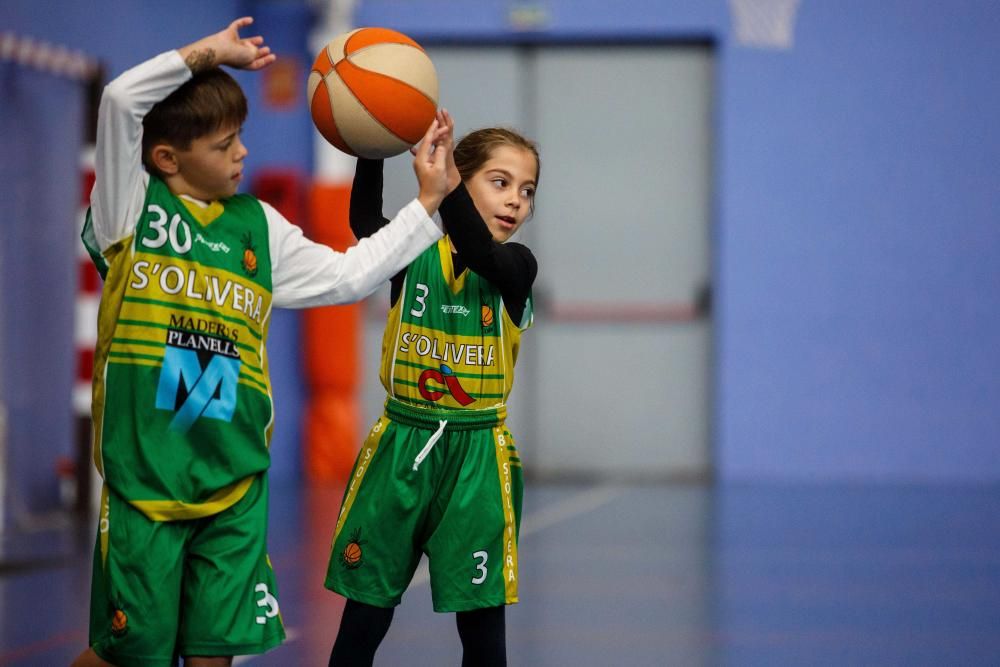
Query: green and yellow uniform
(439,472)
(182,403)
(182,422)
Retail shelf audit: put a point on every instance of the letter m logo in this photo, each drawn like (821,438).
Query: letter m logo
(208,392)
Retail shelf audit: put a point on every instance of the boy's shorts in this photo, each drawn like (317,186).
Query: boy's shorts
(461,507)
(206,583)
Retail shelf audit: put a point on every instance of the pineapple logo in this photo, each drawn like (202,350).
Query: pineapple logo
(119,623)
(351,556)
(249,261)
(487,316)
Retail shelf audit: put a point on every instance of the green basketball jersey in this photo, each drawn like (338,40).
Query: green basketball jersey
(449,341)
(182,400)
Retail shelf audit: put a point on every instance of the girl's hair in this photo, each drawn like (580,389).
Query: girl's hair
(209,101)
(475,148)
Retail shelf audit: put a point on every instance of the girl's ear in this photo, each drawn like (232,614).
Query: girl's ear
(164,158)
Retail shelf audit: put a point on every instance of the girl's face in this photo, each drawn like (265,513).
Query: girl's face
(503,190)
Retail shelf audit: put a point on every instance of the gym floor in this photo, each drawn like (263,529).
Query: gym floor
(617,574)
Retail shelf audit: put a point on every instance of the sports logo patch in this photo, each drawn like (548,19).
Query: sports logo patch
(446,379)
(198,378)
(352,555)
(249,261)
(119,623)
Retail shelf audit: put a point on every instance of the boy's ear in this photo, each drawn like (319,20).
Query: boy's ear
(164,158)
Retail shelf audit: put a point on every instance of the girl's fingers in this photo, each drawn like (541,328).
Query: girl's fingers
(426,144)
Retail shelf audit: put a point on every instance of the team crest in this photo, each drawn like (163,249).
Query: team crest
(119,623)
(249,261)
(445,379)
(487,317)
(352,555)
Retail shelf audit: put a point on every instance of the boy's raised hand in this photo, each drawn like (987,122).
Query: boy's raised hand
(226,47)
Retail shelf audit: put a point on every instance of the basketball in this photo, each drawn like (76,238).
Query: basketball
(487,315)
(372,92)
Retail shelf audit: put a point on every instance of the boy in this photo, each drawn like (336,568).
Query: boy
(182,402)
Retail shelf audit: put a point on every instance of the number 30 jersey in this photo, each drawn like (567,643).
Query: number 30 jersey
(449,342)
(182,398)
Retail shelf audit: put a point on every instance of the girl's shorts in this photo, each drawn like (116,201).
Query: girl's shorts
(446,483)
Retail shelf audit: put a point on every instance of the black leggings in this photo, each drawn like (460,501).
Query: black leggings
(362,628)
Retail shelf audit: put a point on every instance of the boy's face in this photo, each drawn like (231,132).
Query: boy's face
(503,190)
(212,167)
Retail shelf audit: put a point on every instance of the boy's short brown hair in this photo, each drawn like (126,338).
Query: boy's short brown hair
(209,101)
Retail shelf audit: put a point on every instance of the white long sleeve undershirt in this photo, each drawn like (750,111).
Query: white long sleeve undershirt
(303,273)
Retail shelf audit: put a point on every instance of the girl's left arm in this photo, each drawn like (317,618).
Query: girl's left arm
(509,266)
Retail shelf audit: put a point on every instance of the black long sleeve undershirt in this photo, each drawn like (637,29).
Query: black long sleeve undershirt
(510,267)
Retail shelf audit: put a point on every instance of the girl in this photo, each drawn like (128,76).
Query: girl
(439,473)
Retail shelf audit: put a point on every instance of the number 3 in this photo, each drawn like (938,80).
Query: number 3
(267,600)
(420,299)
(481,566)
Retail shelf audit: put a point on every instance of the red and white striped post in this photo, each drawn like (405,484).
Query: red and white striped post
(75,472)
(88,299)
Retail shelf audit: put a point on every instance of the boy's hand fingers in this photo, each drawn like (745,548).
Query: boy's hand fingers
(241,22)
(262,61)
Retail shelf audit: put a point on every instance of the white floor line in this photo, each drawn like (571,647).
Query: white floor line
(575,505)
(290,635)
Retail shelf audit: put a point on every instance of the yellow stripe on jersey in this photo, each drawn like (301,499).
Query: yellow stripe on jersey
(177,510)
(455,283)
(169,282)
(124,349)
(154,331)
(103,524)
(509,564)
(117,257)
(365,458)
(205,215)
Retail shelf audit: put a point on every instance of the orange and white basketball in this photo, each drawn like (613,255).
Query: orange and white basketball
(373,92)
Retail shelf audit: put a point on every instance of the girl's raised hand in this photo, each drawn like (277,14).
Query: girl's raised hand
(454,178)
(444,137)
(430,164)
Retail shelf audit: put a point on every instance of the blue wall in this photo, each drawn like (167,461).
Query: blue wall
(120,33)
(41,115)
(857,248)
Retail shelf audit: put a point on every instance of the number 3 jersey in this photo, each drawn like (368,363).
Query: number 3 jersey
(182,400)
(449,342)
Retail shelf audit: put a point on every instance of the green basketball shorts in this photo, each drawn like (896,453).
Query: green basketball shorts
(446,483)
(206,582)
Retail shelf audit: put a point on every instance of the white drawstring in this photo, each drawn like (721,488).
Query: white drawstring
(430,444)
